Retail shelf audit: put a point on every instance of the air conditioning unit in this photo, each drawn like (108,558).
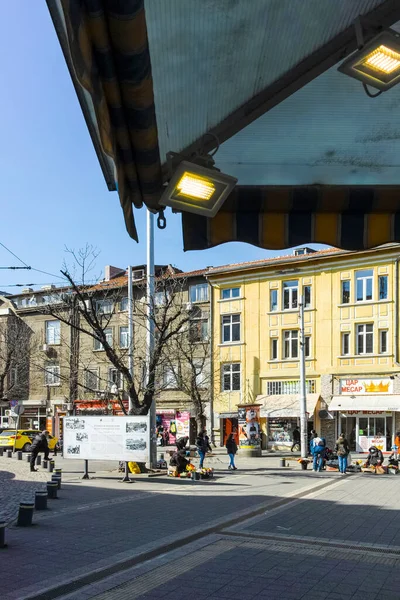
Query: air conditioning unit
(45,347)
(189,306)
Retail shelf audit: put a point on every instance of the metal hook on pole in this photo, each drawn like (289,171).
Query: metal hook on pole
(161,220)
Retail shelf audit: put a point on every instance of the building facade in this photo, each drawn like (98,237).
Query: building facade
(351,344)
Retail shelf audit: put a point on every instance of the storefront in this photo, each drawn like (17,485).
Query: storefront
(366,412)
(34,415)
(228,424)
(282,415)
(174,424)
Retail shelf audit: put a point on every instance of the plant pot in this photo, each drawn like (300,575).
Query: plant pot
(304,466)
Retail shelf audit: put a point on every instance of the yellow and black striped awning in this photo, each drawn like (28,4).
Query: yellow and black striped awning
(351,218)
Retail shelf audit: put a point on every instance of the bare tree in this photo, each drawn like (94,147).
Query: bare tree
(88,311)
(15,351)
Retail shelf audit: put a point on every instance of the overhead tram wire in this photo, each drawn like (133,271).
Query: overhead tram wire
(26,266)
(14,255)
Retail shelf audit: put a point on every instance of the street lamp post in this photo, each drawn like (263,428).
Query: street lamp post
(303,393)
(150,330)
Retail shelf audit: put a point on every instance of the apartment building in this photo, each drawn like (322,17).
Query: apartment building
(351,344)
(69,370)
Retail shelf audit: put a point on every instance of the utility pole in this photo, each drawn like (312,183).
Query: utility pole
(303,394)
(130,331)
(150,331)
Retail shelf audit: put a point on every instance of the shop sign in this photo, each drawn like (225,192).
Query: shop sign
(182,423)
(365,442)
(371,413)
(357,387)
(249,425)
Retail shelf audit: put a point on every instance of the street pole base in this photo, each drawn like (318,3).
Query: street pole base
(126,478)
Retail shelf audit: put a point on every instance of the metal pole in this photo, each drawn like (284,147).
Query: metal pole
(303,394)
(130,331)
(150,330)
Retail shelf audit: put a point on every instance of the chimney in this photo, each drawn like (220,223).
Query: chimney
(110,272)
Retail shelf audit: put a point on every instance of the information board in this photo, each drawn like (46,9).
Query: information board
(107,438)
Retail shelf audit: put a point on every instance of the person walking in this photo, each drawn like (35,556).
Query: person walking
(342,448)
(231,448)
(39,444)
(318,451)
(295,438)
(203,446)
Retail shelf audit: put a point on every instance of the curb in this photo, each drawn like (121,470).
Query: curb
(55,591)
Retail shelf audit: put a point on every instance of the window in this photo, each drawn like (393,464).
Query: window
(123,305)
(290,293)
(291,344)
(123,337)
(13,377)
(383,341)
(202,370)
(289,387)
(230,293)
(364,284)
(115,378)
(52,332)
(52,374)
(161,298)
(231,377)
(307,346)
(199,292)
(105,307)
(108,332)
(230,328)
(91,379)
(345,292)
(307,296)
(274,348)
(345,344)
(365,339)
(273,300)
(169,378)
(198,327)
(383,287)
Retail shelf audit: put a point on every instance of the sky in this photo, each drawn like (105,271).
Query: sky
(53,191)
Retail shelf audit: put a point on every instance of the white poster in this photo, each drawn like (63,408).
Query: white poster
(107,438)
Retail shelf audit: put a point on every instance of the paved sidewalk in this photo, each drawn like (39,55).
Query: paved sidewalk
(103,525)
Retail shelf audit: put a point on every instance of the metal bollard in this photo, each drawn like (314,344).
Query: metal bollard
(39,460)
(25,514)
(58,472)
(1,451)
(57,479)
(283,462)
(28,458)
(50,466)
(2,535)
(19,454)
(44,464)
(52,487)
(41,500)
(9,453)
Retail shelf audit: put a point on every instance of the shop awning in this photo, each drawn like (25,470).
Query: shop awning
(346,403)
(287,405)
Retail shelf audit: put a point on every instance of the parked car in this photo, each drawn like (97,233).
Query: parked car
(23,440)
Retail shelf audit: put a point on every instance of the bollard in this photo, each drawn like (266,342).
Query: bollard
(57,479)
(44,464)
(19,454)
(39,460)
(28,458)
(50,466)
(283,462)
(58,472)
(25,514)
(52,489)
(41,500)
(2,535)
(1,451)
(9,453)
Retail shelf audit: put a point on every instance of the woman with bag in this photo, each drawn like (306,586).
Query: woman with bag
(342,448)
(231,448)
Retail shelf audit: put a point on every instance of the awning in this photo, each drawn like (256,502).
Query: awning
(385,402)
(106,49)
(287,405)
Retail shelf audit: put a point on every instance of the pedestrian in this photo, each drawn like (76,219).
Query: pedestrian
(313,435)
(39,444)
(203,446)
(318,451)
(342,448)
(231,448)
(295,438)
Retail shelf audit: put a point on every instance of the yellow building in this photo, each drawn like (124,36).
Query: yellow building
(351,343)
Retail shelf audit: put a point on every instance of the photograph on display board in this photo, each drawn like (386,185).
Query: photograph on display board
(136,444)
(134,427)
(82,437)
(74,449)
(75,423)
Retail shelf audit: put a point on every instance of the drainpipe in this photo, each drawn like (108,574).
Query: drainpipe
(211,336)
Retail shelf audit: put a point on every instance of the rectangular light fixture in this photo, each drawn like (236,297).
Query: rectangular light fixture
(196,189)
(377,63)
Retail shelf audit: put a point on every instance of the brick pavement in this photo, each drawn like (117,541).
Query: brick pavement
(18,484)
(99,523)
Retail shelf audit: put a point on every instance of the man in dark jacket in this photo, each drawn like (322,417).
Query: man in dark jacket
(295,438)
(203,446)
(39,444)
